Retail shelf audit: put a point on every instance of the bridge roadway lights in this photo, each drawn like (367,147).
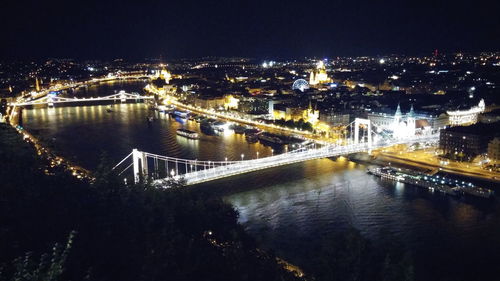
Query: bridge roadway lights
(53,100)
(216,170)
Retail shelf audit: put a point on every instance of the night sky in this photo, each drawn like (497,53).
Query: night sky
(259,29)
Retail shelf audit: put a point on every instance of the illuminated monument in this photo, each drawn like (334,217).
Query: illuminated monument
(319,76)
(403,126)
(164,74)
(311,115)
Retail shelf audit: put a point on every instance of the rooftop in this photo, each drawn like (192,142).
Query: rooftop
(491,129)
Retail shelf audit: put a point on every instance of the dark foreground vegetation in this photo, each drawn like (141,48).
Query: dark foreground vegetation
(55,227)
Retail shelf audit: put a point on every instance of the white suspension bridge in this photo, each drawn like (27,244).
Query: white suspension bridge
(162,169)
(50,100)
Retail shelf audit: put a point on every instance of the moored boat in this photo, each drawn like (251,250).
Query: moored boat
(238,129)
(181,114)
(431,182)
(270,138)
(187,133)
(251,138)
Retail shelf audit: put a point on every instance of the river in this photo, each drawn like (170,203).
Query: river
(288,209)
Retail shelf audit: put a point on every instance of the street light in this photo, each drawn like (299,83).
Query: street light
(272,152)
(257,155)
(242,156)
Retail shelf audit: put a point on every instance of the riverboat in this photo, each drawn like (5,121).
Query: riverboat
(439,183)
(187,133)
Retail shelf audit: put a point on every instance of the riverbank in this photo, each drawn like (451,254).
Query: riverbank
(384,159)
(53,160)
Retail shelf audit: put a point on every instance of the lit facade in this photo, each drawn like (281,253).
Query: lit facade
(230,102)
(403,127)
(409,124)
(293,113)
(466,142)
(466,117)
(164,74)
(319,75)
(210,102)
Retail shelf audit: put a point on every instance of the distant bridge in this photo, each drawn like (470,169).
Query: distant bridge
(163,168)
(49,100)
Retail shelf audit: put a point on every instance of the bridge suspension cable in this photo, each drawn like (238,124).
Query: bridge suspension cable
(163,168)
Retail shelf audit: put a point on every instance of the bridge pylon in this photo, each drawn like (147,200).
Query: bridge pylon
(140,164)
(357,123)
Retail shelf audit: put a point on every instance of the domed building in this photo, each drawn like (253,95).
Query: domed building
(163,75)
(319,75)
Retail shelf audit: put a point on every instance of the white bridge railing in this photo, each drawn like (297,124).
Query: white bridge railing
(163,168)
(51,100)
(242,167)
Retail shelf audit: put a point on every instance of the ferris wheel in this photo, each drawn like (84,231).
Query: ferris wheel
(300,84)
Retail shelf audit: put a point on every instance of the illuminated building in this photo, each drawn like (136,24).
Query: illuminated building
(312,115)
(466,117)
(210,102)
(403,128)
(335,118)
(164,74)
(255,105)
(262,91)
(230,102)
(280,112)
(294,113)
(410,124)
(319,75)
(464,143)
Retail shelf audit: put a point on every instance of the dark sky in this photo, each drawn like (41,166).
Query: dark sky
(260,29)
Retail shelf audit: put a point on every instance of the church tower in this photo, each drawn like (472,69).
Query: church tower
(396,127)
(397,116)
(410,121)
(37,84)
(312,79)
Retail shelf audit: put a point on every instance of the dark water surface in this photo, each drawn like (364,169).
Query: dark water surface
(288,209)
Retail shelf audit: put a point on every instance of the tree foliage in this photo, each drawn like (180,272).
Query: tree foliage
(300,124)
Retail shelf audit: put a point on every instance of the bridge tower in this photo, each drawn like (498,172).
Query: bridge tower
(410,120)
(50,101)
(37,84)
(140,164)
(358,122)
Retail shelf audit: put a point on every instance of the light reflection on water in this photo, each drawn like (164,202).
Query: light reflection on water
(289,208)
